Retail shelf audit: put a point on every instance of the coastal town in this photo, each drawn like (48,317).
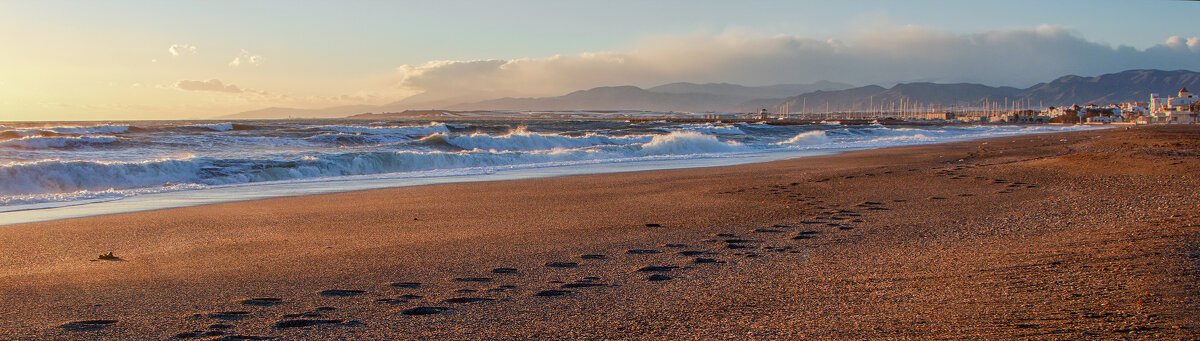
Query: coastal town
(1181,108)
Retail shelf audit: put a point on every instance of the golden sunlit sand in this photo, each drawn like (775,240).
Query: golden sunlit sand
(1072,235)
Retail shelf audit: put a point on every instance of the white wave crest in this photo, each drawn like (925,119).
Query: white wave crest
(432,128)
(521,140)
(686,143)
(808,138)
(39,142)
(706,128)
(57,176)
(215,127)
(76,130)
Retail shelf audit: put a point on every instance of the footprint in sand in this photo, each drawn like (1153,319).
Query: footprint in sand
(553,293)
(310,314)
(657,268)
(460,300)
(642,252)
(188,335)
(423,311)
(657,277)
(262,301)
(228,315)
(211,333)
(220,326)
(805,235)
(300,323)
(581,285)
(341,292)
(87,325)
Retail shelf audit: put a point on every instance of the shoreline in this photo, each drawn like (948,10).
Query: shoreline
(1036,236)
(49,211)
(262,191)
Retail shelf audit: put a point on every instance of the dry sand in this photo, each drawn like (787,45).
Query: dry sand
(1073,235)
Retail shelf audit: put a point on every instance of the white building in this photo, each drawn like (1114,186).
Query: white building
(1172,109)
(1185,99)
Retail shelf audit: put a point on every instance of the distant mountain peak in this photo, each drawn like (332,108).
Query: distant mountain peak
(1124,86)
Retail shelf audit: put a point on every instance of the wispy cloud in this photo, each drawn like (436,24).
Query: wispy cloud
(180,49)
(246,58)
(882,55)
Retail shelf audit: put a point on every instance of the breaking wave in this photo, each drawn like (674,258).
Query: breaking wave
(73,163)
(522,140)
(808,138)
(214,127)
(40,142)
(431,128)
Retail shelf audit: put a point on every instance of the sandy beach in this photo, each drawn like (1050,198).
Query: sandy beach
(1092,234)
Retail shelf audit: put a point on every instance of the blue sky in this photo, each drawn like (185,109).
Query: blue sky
(111,57)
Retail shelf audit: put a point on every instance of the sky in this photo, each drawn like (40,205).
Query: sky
(121,60)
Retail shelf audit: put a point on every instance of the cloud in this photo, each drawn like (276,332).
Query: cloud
(246,58)
(179,49)
(882,55)
(211,85)
(1177,42)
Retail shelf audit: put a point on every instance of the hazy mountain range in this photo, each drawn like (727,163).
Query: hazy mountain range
(1126,86)
(668,97)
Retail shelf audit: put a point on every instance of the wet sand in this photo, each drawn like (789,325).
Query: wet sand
(1072,235)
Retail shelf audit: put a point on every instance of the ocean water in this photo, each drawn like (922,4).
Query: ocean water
(47,165)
